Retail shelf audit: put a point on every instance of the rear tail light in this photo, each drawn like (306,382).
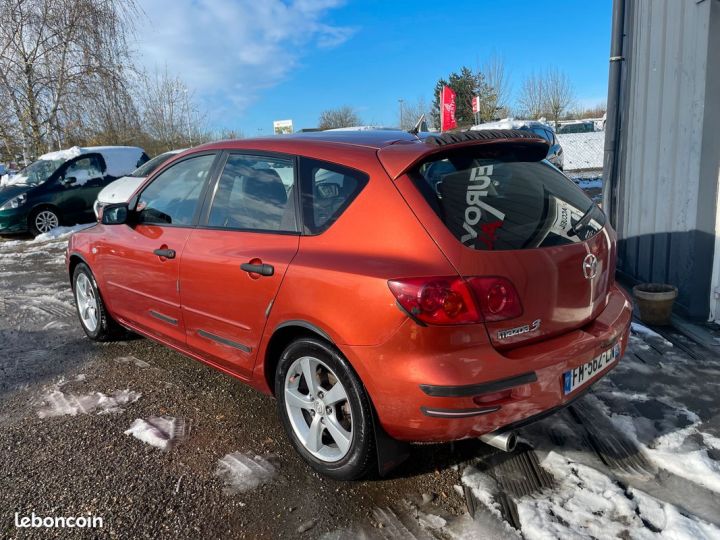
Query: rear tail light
(456,300)
(498,298)
(436,300)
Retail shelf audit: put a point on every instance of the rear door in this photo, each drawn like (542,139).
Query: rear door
(140,263)
(494,214)
(235,260)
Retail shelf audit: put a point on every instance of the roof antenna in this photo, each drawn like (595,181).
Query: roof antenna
(420,126)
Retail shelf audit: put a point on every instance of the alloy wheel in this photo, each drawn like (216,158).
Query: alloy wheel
(86,302)
(318,408)
(45,221)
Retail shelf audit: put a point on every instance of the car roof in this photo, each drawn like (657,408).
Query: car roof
(397,150)
(370,138)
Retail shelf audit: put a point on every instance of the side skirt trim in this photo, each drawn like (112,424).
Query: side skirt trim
(224,341)
(163,318)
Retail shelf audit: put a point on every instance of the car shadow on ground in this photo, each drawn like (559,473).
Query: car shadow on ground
(39,357)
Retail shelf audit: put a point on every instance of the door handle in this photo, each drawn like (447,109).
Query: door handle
(165,253)
(262,269)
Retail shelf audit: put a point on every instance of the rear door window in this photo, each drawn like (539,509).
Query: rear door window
(328,189)
(255,193)
(500,203)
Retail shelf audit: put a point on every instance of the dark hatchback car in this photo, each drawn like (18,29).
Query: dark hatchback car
(61,187)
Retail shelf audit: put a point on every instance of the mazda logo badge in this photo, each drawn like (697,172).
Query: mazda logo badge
(590,266)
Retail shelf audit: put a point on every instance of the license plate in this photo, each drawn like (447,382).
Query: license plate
(585,372)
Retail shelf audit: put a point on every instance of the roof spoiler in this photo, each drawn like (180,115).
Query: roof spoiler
(398,158)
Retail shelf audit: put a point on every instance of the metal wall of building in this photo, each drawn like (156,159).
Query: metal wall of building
(666,197)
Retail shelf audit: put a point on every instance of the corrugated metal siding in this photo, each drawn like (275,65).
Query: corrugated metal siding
(663,131)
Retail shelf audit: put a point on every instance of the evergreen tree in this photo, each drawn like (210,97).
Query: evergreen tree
(466,85)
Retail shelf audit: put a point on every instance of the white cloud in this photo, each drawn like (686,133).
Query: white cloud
(232,50)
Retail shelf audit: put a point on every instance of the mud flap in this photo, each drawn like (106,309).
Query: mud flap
(390,452)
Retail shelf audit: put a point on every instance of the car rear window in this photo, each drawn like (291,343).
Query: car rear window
(501,202)
(328,189)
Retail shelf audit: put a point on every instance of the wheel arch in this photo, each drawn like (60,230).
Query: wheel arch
(389,452)
(73,261)
(284,334)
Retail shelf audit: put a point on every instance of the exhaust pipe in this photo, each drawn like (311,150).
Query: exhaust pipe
(504,441)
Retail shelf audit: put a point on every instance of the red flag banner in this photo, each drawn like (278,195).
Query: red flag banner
(447,109)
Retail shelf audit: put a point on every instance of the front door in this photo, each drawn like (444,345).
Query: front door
(234,262)
(140,262)
(77,187)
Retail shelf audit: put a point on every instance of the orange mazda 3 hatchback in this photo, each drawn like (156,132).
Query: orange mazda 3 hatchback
(386,287)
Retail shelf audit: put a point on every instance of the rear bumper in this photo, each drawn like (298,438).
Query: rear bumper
(423,380)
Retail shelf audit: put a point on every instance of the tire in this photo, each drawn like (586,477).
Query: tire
(354,456)
(90,307)
(43,220)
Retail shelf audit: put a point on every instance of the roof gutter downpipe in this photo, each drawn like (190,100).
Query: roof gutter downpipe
(612,122)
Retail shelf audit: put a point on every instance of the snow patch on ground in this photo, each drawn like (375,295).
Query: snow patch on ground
(58,403)
(644,331)
(159,431)
(243,472)
(588,504)
(683,452)
(61,232)
(484,487)
(668,520)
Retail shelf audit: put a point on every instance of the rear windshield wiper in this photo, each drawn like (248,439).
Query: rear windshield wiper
(581,223)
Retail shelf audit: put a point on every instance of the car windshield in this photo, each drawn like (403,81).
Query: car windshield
(146,169)
(36,173)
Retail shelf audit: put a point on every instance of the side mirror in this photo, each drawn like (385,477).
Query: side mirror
(114,214)
(68,181)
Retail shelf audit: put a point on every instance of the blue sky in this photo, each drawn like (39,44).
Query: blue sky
(250,62)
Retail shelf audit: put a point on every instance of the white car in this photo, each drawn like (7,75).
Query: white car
(122,189)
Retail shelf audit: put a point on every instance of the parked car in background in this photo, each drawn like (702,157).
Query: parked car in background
(121,189)
(380,284)
(544,130)
(576,126)
(61,187)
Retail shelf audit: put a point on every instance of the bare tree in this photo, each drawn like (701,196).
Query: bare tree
(558,94)
(496,78)
(532,99)
(170,118)
(344,116)
(581,112)
(411,113)
(54,55)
